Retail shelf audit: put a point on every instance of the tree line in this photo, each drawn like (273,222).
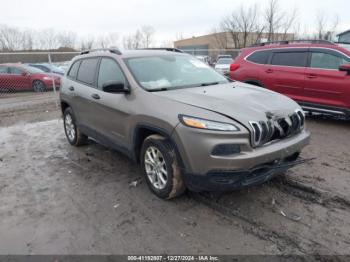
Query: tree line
(246,24)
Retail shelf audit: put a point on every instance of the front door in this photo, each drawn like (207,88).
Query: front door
(325,84)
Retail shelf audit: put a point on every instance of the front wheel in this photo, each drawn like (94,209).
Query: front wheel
(38,86)
(161,168)
(74,136)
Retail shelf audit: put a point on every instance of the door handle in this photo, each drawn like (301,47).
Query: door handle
(71,88)
(311,76)
(269,71)
(95,96)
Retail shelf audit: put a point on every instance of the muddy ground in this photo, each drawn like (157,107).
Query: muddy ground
(57,199)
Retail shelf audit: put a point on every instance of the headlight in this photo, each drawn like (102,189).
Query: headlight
(206,124)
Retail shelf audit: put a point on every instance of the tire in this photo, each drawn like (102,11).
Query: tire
(74,136)
(165,161)
(38,86)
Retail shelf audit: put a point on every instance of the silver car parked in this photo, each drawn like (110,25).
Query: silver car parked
(187,125)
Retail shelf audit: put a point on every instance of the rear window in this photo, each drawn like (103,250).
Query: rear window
(259,57)
(3,70)
(87,71)
(74,70)
(296,59)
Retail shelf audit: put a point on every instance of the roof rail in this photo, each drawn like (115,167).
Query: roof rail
(111,50)
(170,49)
(286,42)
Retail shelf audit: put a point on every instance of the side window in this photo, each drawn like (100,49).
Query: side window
(296,59)
(326,61)
(3,70)
(259,57)
(74,70)
(15,71)
(87,71)
(109,71)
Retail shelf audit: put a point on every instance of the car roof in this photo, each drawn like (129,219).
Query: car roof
(131,53)
(298,45)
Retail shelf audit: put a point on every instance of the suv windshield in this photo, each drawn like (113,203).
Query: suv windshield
(172,71)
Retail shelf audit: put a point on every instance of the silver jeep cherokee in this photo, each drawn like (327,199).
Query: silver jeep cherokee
(187,125)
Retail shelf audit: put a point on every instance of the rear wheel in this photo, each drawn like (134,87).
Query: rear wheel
(74,136)
(161,167)
(38,86)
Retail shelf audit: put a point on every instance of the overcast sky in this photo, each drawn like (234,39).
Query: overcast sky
(168,17)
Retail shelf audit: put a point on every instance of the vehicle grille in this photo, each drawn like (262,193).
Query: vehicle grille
(276,128)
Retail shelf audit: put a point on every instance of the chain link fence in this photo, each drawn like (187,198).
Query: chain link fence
(30,82)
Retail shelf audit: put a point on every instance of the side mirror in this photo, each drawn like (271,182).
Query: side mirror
(345,68)
(115,87)
(25,74)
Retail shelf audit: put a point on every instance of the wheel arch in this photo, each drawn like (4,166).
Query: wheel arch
(142,131)
(64,106)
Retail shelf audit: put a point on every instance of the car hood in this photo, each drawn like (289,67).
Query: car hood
(236,100)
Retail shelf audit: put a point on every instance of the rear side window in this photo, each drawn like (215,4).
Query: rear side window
(3,70)
(297,59)
(15,71)
(327,61)
(109,72)
(87,71)
(259,57)
(74,70)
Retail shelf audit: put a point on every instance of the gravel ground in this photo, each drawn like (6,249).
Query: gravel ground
(57,199)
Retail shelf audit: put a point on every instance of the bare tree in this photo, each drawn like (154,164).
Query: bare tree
(273,18)
(10,38)
(242,24)
(147,33)
(47,39)
(289,22)
(87,43)
(67,39)
(142,38)
(107,40)
(179,36)
(326,29)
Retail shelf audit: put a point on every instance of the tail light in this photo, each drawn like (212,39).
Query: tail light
(233,67)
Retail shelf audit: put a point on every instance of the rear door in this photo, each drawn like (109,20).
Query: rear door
(325,84)
(285,72)
(82,90)
(20,79)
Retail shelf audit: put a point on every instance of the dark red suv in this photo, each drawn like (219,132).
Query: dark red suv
(316,74)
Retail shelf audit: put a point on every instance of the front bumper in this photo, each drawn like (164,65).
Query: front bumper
(238,179)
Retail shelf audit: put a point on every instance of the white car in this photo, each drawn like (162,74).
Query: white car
(222,66)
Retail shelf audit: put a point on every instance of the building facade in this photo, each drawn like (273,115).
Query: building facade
(344,37)
(224,43)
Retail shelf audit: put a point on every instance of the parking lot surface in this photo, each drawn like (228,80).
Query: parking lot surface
(57,199)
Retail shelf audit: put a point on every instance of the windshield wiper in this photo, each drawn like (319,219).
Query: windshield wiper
(158,89)
(209,84)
